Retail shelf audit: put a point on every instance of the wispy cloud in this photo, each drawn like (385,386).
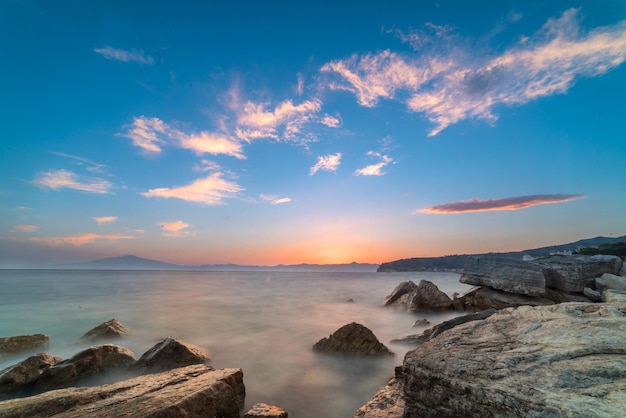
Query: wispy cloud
(123,55)
(88,164)
(284,122)
(211,190)
(275,200)
(457,85)
(79,240)
(330,121)
(104,219)
(174,229)
(63,179)
(326,162)
(374,169)
(151,134)
(509,203)
(25,228)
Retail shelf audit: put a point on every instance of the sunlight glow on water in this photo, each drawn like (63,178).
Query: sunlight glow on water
(262,322)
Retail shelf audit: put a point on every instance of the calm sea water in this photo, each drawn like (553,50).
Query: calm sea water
(262,322)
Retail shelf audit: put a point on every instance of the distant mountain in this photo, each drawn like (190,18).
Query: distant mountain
(131,262)
(457,262)
(127,262)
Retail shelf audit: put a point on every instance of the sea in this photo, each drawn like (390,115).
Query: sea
(263,322)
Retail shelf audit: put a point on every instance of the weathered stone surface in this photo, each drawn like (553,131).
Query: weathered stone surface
(508,274)
(572,274)
(592,295)
(622,272)
(16,378)
(614,296)
(444,326)
(171,353)
(108,330)
(388,402)
(548,361)
(23,343)
(558,296)
(353,339)
(193,391)
(487,298)
(93,361)
(610,281)
(424,297)
(262,410)
(402,289)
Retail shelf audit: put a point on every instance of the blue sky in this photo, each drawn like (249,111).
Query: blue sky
(319,132)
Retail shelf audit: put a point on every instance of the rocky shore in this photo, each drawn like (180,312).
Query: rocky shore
(536,346)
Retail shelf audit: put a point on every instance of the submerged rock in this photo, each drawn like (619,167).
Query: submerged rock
(559,360)
(23,343)
(18,377)
(353,339)
(423,322)
(193,391)
(171,353)
(91,362)
(507,274)
(262,410)
(108,330)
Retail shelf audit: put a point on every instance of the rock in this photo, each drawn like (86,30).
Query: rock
(545,361)
(262,410)
(353,339)
(424,297)
(421,323)
(349,300)
(91,362)
(571,274)
(108,330)
(18,377)
(610,281)
(592,294)
(444,326)
(507,274)
(193,391)
(388,402)
(614,296)
(487,298)
(23,343)
(557,296)
(402,289)
(171,353)
(622,272)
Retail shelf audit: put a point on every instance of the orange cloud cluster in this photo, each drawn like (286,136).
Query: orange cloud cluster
(508,203)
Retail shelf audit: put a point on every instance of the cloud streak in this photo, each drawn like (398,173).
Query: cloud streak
(104,219)
(25,228)
(374,169)
(174,229)
(123,55)
(455,86)
(211,190)
(326,162)
(509,203)
(275,200)
(63,179)
(78,240)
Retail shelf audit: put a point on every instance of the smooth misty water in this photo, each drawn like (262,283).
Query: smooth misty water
(262,322)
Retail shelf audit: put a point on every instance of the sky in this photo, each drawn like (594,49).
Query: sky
(287,132)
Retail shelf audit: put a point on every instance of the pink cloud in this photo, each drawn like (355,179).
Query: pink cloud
(78,240)
(211,190)
(509,203)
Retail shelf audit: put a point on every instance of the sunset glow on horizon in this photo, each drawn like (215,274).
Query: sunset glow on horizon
(323,133)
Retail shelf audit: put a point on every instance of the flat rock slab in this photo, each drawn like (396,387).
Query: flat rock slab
(508,274)
(572,274)
(23,343)
(193,391)
(547,361)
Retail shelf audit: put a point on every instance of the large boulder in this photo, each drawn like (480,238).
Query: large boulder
(91,362)
(193,391)
(424,297)
(171,353)
(549,361)
(23,343)
(572,274)
(487,298)
(106,331)
(17,378)
(507,274)
(352,339)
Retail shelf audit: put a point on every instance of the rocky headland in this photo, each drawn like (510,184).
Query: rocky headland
(534,344)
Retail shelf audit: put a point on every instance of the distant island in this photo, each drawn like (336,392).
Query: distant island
(131,262)
(457,262)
